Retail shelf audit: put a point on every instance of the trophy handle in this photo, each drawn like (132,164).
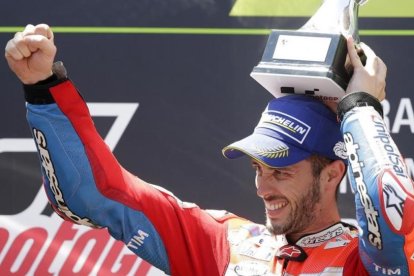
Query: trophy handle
(336,16)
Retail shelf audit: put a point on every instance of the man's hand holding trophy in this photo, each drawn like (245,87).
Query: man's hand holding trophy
(312,60)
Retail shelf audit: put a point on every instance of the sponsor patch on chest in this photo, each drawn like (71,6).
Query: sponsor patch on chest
(250,268)
(255,251)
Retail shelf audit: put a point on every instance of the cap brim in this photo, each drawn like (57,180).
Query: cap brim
(265,149)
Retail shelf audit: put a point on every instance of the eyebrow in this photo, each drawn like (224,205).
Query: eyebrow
(282,169)
(285,169)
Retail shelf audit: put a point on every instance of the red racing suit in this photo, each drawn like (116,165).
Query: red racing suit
(86,185)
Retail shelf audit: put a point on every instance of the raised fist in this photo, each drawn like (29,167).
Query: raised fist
(30,54)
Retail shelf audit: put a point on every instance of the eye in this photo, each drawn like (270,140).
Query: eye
(281,174)
(255,165)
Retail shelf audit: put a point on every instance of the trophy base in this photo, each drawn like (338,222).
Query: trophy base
(306,63)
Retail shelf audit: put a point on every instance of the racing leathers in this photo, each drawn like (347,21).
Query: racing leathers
(86,185)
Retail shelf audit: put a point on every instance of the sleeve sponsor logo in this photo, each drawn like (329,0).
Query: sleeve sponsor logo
(138,239)
(371,214)
(390,149)
(393,199)
(386,270)
(47,165)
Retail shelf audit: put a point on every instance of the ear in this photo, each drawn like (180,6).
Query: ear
(333,173)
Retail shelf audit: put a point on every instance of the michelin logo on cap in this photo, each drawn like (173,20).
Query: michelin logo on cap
(287,125)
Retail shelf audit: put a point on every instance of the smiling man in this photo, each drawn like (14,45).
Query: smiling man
(297,151)
(296,175)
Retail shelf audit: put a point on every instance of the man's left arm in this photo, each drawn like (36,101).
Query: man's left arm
(384,191)
(384,194)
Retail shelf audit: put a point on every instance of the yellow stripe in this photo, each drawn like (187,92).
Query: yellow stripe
(306,8)
(286,8)
(188,31)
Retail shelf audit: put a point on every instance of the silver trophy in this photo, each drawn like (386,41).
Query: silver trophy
(311,60)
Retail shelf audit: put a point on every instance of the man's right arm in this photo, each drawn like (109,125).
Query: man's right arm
(85,183)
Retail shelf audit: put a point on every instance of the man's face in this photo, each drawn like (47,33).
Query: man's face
(290,195)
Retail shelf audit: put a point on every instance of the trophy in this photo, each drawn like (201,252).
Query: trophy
(311,60)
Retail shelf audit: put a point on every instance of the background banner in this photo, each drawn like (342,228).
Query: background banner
(168,86)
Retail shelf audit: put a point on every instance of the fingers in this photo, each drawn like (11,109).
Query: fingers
(372,59)
(373,62)
(379,66)
(40,29)
(353,54)
(28,30)
(376,67)
(382,75)
(29,41)
(44,30)
(39,42)
(37,37)
(16,49)
(370,77)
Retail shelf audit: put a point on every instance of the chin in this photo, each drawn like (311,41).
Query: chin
(275,227)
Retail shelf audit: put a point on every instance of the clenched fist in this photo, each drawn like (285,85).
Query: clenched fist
(30,54)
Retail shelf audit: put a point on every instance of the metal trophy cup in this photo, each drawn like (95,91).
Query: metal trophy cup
(311,60)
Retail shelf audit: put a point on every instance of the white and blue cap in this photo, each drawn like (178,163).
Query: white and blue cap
(291,129)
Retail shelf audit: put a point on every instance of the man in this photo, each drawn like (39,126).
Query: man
(297,151)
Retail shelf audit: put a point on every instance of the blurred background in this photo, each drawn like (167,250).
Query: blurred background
(168,86)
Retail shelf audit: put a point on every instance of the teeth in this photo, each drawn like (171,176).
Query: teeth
(275,206)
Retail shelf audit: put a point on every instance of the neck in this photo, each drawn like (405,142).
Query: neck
(324,218)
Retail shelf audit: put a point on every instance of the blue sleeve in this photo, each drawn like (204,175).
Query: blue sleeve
(71,188)
(86,184)
(383,194)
